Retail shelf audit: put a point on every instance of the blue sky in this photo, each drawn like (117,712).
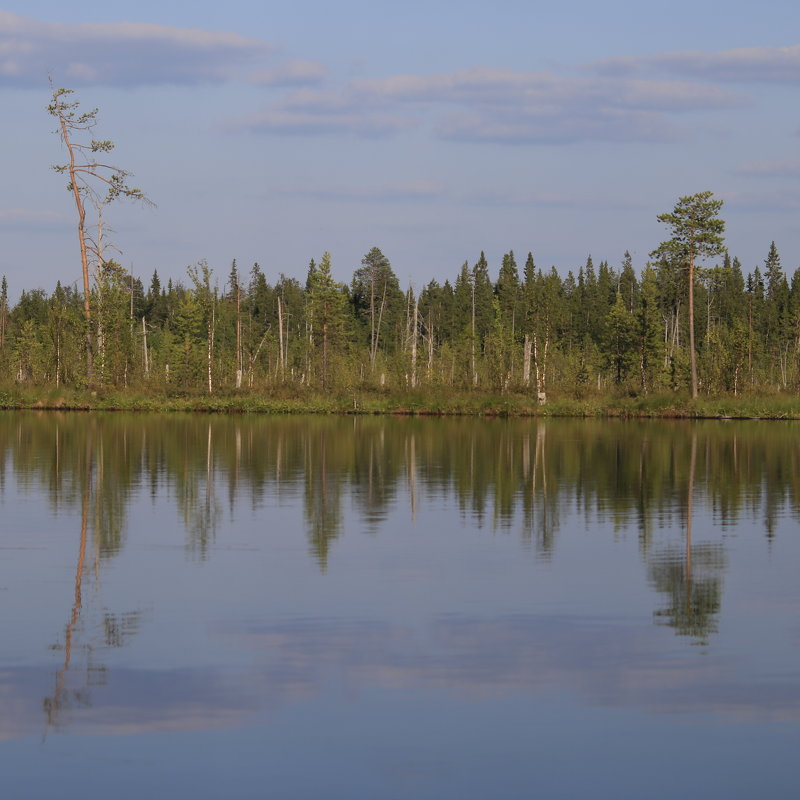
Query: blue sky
(273,132)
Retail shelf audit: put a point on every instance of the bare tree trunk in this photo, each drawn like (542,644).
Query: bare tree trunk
(414,345)
(692,353)
(281,359)
(511,346)
(783,359)
(544,361)
(144,347)
(73,179)
(541,368)
(210,349)
(430,346)
(377,331)
(526,361)
(324,355)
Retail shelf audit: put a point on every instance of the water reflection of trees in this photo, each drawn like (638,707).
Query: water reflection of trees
(512,476)
(76,473)
(499,473)
(690,576)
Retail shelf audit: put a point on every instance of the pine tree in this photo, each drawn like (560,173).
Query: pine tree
(89,180)
(696,233)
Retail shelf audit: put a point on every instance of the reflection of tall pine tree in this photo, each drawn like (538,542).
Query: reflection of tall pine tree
(692,579)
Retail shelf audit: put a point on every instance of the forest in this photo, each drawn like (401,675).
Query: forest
(601,329)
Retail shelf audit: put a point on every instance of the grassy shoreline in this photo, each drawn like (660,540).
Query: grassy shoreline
(420,403)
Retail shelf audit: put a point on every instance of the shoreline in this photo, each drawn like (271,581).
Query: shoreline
(417,404)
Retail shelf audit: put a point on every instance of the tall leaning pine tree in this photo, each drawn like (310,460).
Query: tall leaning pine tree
(696,233)
(92,180)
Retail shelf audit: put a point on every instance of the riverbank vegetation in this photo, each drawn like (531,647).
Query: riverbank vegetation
(602,340)
(598,336)
(419,403)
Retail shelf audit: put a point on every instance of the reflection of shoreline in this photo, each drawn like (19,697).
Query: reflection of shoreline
(504,473)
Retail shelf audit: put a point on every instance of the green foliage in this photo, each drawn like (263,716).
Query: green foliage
(621,340)
(327,316)
(696,230)
(696,233)
(92,178)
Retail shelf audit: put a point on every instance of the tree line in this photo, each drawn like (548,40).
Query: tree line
(601,328)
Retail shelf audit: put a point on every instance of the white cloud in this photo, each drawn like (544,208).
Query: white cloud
(484,104)
(543,92)
(118,53)
(743,65)
(560,126)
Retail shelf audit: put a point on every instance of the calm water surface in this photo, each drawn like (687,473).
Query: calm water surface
(209,607)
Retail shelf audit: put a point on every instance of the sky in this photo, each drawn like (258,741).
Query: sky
(270,133)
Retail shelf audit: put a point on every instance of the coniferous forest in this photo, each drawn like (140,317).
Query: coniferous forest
(600,330)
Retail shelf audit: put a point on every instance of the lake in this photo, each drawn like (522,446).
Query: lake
(248,607)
